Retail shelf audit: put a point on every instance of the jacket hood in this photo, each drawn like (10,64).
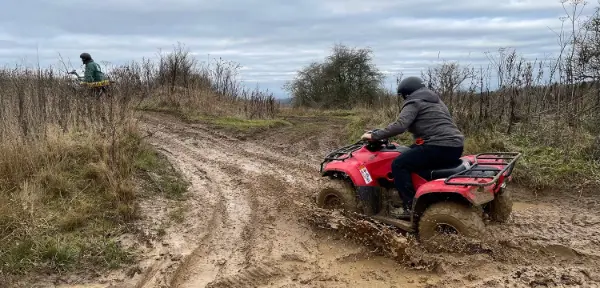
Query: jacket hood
(423,94)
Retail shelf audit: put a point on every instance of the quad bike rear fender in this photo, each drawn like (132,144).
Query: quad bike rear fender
(436,191)
(425,200)
(473,194)
(476,185)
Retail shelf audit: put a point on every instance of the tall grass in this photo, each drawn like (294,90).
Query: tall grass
(65,173)
(178,82)
(535,110)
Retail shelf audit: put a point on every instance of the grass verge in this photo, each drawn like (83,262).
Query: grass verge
(242,125)
(233,124)
(161,178)
(542,166)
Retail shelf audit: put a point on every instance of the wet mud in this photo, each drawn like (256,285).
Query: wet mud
(250,222)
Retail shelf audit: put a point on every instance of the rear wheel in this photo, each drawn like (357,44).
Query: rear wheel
(450,218)
(500,208)
(337,194)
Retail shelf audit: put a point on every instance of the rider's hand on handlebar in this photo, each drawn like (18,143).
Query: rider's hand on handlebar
(366,136)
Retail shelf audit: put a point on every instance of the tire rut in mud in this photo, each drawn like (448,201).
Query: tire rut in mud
(249,277)
(177,243)
(256,185)
(217,252)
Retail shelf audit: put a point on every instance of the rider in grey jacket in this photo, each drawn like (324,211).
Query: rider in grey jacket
(438,141)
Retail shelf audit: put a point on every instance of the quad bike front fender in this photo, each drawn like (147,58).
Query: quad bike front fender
(359,175)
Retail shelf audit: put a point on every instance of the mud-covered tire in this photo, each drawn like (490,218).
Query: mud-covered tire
(500,208)
(465,220)
(337,194)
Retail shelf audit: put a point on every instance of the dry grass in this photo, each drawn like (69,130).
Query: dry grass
(65,200)
(62,199)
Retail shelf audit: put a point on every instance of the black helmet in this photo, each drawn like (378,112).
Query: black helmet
(409,85)
(85,56)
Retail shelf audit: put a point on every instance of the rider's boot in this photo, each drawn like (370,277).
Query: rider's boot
(400,213)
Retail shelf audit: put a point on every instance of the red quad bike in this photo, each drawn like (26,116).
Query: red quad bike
(448,200)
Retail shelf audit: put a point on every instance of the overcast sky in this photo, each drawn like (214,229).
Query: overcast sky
(273,39)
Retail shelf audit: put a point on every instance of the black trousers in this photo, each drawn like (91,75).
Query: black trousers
(418,158)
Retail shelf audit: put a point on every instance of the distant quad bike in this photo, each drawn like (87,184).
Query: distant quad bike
(448,200)
(97,88)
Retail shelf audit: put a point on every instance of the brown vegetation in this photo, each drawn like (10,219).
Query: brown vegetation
(178,83)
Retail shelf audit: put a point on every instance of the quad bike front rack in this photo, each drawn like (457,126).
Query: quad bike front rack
(339,154)
(483,162)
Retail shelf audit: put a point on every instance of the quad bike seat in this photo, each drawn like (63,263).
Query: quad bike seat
(460,166)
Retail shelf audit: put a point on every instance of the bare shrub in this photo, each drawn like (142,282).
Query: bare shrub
(345,79)
(180,83)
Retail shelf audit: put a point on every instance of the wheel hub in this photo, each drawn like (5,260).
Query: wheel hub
(332,201)
(445,228)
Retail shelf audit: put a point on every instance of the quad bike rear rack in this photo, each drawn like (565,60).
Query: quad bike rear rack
(483,163)
(339,154)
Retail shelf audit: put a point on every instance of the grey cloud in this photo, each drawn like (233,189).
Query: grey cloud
(235,18)
(273,39)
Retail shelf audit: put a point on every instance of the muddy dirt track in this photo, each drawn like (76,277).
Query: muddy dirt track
(242,229)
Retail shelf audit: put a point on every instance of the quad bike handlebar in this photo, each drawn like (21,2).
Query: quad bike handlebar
(363,141)
(73,72)
(345,152)
(374,145)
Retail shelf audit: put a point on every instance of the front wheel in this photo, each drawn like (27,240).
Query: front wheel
(337,194)
(450,218)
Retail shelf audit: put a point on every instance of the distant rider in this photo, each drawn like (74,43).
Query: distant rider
(438,141)
(92,73)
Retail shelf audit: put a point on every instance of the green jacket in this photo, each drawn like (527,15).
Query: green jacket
(93,73)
